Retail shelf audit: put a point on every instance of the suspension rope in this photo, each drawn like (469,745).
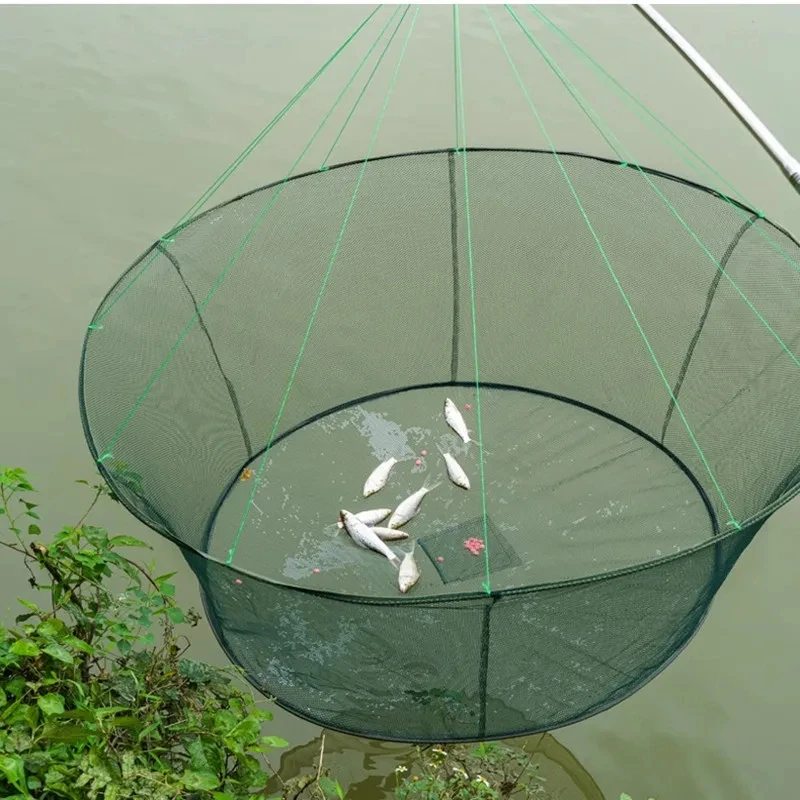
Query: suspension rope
(206,196)
(325,279)
(324,165)
(692,163)
(199,309)
(487,585)
(629,160)
(732,521)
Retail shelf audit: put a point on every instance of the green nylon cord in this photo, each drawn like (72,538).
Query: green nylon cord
(629,160)
(325,280)
(487,585)
(235,165)
(612,80)
(455,75)
(224,273)
(582,104)
(627,96)
(611,270)
(324,164)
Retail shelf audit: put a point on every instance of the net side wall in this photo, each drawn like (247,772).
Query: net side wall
(742,386)
(383,294)
(463,669)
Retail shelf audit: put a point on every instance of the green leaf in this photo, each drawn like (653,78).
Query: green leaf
(70,734)
(3,697)
(200,780)
(330,787)
(80,713)
(24,647)
(125,722)
(13,768)
(34,530)
(124,647)
(108,711)
(226,796)
(98,537)
(204,756)
(51,627)
(167,589)
(127,541)
(624,796)
(32,606)
(79,644)
(51,704)
(59,653)
(196,671)
(224,720)
(246,731)
(275,741)
(176,615)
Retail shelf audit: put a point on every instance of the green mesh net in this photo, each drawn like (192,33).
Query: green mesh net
(631,389)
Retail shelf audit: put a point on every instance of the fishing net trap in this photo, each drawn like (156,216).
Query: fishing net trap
(619,342)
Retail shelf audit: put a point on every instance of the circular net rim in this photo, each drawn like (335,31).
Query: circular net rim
(785,491)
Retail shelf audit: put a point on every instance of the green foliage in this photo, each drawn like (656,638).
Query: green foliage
(98,700)
(471,772)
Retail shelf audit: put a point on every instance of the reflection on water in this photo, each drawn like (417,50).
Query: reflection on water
(366,768)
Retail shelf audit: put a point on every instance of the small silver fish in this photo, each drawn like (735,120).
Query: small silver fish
(371,517)
(454,470)
(378,477)
(409,508)
(365,537)
(408,574)
(389,534)
(453,418)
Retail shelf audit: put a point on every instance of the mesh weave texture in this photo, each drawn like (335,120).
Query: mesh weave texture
(613,527)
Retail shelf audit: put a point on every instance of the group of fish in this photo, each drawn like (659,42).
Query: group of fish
(364,528)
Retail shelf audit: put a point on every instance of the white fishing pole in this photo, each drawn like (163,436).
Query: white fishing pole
(784,159)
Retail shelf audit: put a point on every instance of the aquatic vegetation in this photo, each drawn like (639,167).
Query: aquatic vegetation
(97,696)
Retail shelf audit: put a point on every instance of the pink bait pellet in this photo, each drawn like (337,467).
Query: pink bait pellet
(468,407)
(418,462)
(424,453)
(440,559)
(316,570)
(238,582)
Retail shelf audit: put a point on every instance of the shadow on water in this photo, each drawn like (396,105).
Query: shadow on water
(365,768)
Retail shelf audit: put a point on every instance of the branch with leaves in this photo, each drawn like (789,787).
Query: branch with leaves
(98,700)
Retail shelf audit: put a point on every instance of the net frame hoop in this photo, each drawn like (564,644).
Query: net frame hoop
(749,525)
